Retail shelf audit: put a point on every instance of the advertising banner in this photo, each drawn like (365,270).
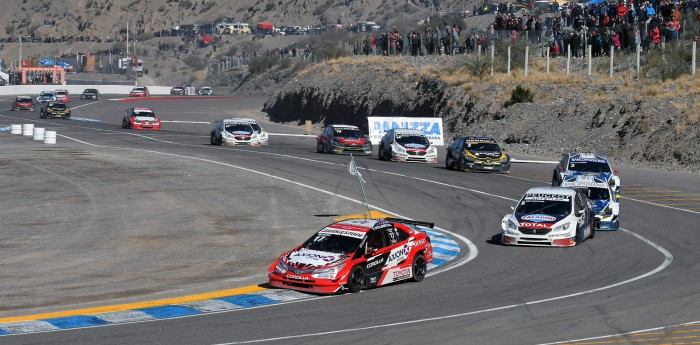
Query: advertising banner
(431,126)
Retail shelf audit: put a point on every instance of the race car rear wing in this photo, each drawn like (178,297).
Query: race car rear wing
(412,222)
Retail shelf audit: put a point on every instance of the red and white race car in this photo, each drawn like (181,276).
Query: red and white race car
(355,254)
(139,91)
(62,95)
(141,118)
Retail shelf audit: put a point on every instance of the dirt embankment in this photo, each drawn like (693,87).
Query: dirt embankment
(632,122)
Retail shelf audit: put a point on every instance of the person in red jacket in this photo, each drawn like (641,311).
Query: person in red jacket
(655,35)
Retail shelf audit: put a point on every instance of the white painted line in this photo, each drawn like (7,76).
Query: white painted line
(513,160)
(192,122)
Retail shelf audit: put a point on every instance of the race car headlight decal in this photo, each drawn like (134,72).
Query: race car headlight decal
(281,267)
(561,228)
(328,273)
(511,227)
(432,151)
(607,212)
(398,148)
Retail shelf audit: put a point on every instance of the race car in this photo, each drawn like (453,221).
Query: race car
(476,153)
(550,216)
(605,202)
(406,145)
(141,118)
(355,254)
(90,94)
(46,96)
(575,163)
(23,103)
(205,91)
(139,91)
(62,95)
(178,90)
(54,109)
(343,139)
(238,131)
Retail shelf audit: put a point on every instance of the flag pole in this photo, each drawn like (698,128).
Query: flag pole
(354,171)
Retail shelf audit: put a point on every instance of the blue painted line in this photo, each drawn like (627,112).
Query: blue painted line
(445,243)
(437,261)
(84,119)
(445,251)
(75,321)
(248,300)
(166,311)
(4,129)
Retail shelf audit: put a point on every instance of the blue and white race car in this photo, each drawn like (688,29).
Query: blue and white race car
(550,216)
(407,145)
(606,205)
(574,164)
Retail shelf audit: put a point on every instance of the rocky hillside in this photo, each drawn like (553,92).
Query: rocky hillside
(630,121)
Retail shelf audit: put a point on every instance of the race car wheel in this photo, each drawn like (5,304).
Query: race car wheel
(579,236)
(555,181)
(458,165)
(380,153)
(420,267)
(327,148)
(213,139)
(448,165)
(123,124)
(319,147)
(356,279)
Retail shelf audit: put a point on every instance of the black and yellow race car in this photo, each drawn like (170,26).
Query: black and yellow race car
(476,153)
(55,109)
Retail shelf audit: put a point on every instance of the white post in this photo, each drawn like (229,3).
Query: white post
(547,62)
(127,38)
(508,70)
(527,53)
(478,51)
(590,60)
(639,48)
(612,57)
(694,47)
(492,58)
(568,58)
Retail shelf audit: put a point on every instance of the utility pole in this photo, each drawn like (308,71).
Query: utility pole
(127,38)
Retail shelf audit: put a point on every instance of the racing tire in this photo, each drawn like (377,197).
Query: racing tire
(124,124)
(327,148)
(458,165)
(319,147)
(419,268)
(555,181)
(448,166)
(380,153)
(593,228)
(579,236)
(356,279)
(212,139)
(42,115)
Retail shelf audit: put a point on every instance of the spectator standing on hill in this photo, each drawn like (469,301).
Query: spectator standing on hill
(655,35)
(673,26)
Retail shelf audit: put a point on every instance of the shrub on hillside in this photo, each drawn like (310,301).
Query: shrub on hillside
(521,95)
(669,63)
(261,64)
(194,62)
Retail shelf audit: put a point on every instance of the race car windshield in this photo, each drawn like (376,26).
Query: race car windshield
(348,133)
(23,99)
(144,114)
(562,208)
(412,139)
(57,106)
(589,166)
(239,127)
(333,243)
(598,194)
(90,91)
(256,127)
(490,147)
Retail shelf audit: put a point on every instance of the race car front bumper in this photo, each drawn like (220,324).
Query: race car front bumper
(365,149)
(302,283)
(612,224)
(396,157)
(471,164)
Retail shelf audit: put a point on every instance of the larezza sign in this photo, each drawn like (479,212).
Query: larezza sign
(533,225)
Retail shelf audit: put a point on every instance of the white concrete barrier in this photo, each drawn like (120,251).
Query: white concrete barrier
(15,129)
(28,129)
(50,137)
(39,133)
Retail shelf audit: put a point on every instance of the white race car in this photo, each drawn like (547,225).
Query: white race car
(238,131)
(605,202)
(550,216)
(407,145)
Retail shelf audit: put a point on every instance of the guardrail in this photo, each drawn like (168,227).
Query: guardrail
(13,90)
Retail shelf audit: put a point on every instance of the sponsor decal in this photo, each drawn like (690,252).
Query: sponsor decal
(577,184)
(538,218)
(314,256)
(547,197)
(294,276)
(533,225)
(587,160)
(401,274)
(430,126)
(414,146)
(374,263)
(420,242)
(351,141)
(399,253)
(342,232)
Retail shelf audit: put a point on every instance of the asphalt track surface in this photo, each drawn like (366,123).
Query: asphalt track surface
(641,278)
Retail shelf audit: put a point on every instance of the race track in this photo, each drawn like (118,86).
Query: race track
(640,278)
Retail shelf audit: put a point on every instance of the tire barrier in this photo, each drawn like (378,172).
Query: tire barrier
(28,129)
(50,137)
(15,129)
(39,133)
